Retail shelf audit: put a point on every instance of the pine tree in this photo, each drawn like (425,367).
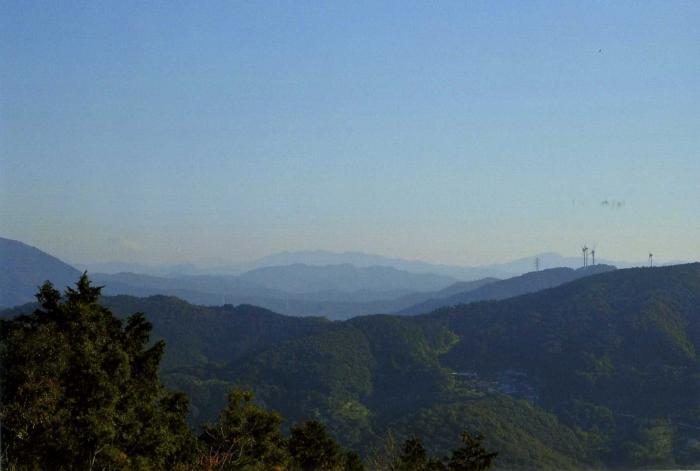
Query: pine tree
(312,448)
(245,437)
(414,457)
(471,456)
(80,389)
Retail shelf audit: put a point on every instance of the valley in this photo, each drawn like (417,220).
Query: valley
(598,371)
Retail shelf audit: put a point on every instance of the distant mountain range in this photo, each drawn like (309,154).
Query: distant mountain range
(331,302)
(302,278)
(357,259)
(313,258)
(335,291)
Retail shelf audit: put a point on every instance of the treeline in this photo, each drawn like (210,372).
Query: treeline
(80,390)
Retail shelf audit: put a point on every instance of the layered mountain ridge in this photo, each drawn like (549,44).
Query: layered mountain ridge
(598,372)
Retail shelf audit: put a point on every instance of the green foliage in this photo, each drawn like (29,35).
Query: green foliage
(322,376)
(312,448)
(249,437)
(353,461)
(414,457)
(601,352)
(245,437)
(81,389)
(522,434)
(653,444)
(209,337)
(471,456)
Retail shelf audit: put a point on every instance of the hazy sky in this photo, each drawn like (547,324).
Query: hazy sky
(460,132)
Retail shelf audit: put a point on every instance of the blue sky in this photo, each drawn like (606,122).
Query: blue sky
(458,132)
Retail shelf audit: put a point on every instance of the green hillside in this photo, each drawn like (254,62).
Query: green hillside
(516,286)
(599,372)
(614,355)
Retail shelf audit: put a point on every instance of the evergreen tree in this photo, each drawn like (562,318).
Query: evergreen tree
(471,456)
(311,448)
(414,457)
(245,437)
(353,461)
(80,389)
(385,457)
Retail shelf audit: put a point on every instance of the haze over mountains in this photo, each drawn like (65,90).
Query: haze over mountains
(357,259)
(337,291)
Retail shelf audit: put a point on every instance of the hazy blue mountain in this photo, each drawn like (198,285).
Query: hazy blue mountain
(516,286)
(314,257)
(460,272)
(361,259)
(358,259)
(206,284)
(167,270)
(300,278)
(218,290)
(23,268)
(333,291)
(337,309)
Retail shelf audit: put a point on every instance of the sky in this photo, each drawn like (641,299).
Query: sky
(454,132)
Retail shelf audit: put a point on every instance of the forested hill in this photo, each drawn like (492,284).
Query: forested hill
(627,340)
(602,371)
(201,336)
(615,356)
(511,287)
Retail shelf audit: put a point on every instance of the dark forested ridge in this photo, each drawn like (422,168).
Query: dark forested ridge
(613,355)
(601,371)
(508,288)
